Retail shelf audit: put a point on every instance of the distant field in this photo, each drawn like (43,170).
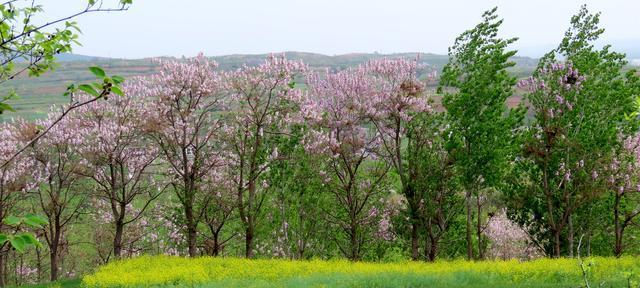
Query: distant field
(166,271)
(37,94)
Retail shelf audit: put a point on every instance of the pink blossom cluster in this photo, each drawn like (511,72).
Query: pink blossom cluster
(624,169)
(27,274)
(508,240)
(14,136)
(392,206)
(557,85)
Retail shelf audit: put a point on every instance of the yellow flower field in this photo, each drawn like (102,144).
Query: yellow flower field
(160,271)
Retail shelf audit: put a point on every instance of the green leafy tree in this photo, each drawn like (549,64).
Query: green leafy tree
(580,108)
(431,170)
(477,86)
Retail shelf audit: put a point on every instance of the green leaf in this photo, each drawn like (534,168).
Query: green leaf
(28,239)
(7,107)
(117,79)
(18,243)
(35,220)
(3,238)
(12,220)
(88,89)
(116,90)
(97,71)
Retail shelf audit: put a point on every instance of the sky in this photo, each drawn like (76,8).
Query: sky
(186,27)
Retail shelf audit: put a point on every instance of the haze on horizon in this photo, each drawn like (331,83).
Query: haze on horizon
(184,28)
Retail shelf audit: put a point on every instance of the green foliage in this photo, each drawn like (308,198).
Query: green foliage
(476,85)
(566,147)
(23,40)
(108,85)
(22,240)
(479,86)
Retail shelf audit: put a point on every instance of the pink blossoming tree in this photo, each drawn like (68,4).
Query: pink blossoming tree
(399,96)
(337,108)
(56,183)
(185,98)
(117,156)
(263,101)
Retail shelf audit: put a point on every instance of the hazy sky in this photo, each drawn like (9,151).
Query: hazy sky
(186,27)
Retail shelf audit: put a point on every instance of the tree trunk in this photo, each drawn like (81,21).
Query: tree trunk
(3,271)
(354,242)
(53,254)
(617,249)
(53,250)
(117,239)
(414,206)
(570,237)
(191,229)
(430,244)
(39,263)
(249,223)
(469,224)
(589,244)
(216,244)
(414,240)
(248,240)
(479,228)
(556,242)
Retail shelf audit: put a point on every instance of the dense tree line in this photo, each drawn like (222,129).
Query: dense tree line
(366,163)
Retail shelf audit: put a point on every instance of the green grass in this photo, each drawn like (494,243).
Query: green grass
(72,283)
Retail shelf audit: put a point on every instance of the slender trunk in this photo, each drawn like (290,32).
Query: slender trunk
(54,264)
(39,263)
(249,223)
(589,244)
(53,250)
(550,209)
(410,195)
(249,215)
(117,239)
(248,241)
(556,242)
(617,249)
(285,229)
(414,241)
(3,271)
(216,244)
(433,252)
(570,237)
(469,224)
(430,244)
(191,228)
(479,228)
(53,254)
(354,241)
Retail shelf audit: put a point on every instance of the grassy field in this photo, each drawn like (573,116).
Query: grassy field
(165,271)
(37,94)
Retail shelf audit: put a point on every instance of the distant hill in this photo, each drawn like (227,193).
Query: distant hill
(68,57)
(316,60)
(38,94)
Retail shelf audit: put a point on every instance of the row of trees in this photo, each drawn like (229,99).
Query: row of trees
(363,163)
